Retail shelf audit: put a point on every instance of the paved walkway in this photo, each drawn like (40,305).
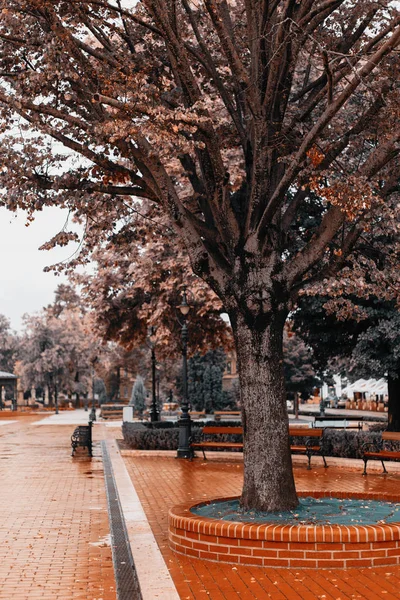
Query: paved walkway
(54,533)
(55,530)
(163,482)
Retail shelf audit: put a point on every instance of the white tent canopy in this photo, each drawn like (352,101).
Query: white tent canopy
(368,386)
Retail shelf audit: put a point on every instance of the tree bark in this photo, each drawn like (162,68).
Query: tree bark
(268,475)
(394,403)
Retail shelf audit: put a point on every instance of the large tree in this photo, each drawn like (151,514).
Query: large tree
(227,117)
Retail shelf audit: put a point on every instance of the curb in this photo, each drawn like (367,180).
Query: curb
(154,578)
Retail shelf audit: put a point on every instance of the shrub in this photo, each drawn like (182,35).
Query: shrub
(150,439)
(159,424)
(164,435)
(349,444)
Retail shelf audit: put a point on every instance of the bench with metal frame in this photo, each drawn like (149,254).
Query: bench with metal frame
(337,421)
(380,453)
(82,437)
(216,444)
(310,447)
(197,414)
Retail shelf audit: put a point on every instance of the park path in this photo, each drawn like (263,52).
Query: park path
(54,531)
(163,481)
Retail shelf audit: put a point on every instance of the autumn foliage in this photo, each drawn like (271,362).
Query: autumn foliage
(266,133)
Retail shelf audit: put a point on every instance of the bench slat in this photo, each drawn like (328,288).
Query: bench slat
(217,430)
(217,445)
(387,454)
(304,432)
(391,436)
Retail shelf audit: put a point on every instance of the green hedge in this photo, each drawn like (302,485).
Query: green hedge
(149,438)
(164,435)
(347,444)
(335,442)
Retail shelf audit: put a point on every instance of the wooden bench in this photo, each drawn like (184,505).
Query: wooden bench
(381,453)
(312,444)
(340,422)
(82,436)
(208,444)
(218,414)
(310,447)
(197,414)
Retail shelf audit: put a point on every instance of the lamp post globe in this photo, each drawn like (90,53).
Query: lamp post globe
(184,422)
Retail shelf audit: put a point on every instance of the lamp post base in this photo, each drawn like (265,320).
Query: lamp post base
(185,425)
(322,409)
(184,453)
(154,416)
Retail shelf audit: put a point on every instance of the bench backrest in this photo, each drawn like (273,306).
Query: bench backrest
(393,436)
(227,412)
(305,432)
(221,430)
(293,431)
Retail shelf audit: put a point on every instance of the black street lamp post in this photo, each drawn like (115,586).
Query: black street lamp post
(92,416)
(154,414)
(184,422)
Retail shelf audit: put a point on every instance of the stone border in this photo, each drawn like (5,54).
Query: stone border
(154,578)
(266,545)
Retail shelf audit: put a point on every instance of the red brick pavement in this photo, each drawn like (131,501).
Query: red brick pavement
(54,524)
(164,482)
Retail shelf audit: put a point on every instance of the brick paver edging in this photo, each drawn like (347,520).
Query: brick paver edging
(266,545)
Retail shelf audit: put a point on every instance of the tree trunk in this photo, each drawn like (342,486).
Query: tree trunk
(268,474)
(394,403)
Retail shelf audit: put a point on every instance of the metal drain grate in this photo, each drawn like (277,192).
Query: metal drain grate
(124,568)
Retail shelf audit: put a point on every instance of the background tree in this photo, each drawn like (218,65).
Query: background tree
(138,397)
(205,380)
(8,346)
(377,354)
(363,340)
(300,375)
(228,118)
(43,356)
(57,347)
(135,286)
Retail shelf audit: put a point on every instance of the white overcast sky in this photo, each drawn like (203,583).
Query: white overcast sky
(24,287)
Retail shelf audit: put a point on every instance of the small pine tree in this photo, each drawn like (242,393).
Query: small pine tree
(138,396)
(205,380)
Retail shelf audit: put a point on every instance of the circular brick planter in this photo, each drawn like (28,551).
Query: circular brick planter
(266,545)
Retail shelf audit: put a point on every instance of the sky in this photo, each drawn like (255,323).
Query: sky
(24,287)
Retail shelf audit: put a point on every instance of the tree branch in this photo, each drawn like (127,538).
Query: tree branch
(320,125)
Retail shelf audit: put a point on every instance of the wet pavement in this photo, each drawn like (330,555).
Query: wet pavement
(164,482)
(54,533)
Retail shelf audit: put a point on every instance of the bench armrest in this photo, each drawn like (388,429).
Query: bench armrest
(371,447)
(312,441)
